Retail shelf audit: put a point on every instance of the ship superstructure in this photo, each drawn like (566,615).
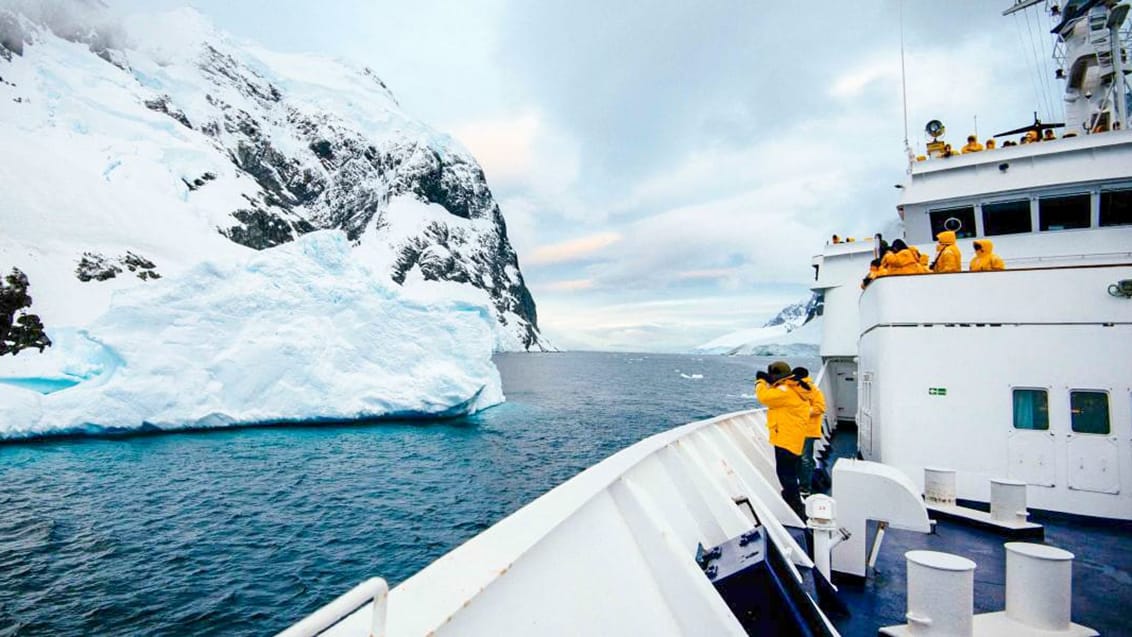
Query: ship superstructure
(1025,373)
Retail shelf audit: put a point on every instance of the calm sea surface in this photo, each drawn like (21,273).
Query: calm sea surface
(245,531)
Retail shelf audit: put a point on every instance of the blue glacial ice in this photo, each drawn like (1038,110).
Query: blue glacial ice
(302,332)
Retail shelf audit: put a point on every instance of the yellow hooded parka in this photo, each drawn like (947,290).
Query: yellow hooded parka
(949,259)
(787,414)
(985,260)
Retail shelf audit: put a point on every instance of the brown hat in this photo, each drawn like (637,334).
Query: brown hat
(778,369)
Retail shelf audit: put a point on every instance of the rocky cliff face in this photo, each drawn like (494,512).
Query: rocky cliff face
(252,147)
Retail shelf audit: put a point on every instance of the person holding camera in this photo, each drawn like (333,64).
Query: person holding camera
(787,397)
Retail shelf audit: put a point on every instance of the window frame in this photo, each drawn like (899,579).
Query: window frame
(1088,195)
(1124,188)
(1107,413)
(1013,408)
(985,214)
(964,232)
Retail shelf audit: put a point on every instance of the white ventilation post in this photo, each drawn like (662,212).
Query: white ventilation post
(1008,501)
(939,486)
(941,594)
(1039,585)
(872,491)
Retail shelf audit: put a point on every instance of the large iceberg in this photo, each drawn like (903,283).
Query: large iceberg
(302,332)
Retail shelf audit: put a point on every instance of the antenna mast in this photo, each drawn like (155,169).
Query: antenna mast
(904,90)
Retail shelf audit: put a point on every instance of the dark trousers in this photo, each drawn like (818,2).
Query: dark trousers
(786,466)
(806,469)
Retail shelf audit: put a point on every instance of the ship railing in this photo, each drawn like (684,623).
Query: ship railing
(372,591)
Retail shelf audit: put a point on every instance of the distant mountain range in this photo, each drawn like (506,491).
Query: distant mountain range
(794,331)
(135,150)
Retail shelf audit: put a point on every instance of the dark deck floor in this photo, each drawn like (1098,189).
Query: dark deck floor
(1102,570)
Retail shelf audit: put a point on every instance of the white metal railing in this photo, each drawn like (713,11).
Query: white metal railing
(373,590)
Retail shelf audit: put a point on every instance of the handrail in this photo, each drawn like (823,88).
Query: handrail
(375,589)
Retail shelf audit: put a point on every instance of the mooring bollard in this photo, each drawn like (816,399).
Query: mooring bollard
(1039,585)
(1008,501)
(939,486)
(941,594)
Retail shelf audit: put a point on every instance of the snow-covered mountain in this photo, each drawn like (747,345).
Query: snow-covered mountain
(137,149)
(794,331)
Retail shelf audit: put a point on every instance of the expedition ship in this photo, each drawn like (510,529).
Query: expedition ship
(957,384)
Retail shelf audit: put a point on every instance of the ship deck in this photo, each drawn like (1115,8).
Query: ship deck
(1102,568)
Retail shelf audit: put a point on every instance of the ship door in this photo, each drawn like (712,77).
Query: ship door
(865,417)
(1031,444)
(845,384)
(1092,448)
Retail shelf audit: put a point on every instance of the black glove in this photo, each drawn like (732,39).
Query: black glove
(763,376)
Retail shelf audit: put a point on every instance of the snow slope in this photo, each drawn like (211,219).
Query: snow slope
(300,332)
(165,140)
(795,331)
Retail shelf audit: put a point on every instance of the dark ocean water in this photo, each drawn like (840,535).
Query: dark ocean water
(245,531)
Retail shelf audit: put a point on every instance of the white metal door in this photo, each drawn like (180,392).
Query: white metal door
(1094,463)
(1031,456)
(1092,457)
(845,384)
(865,417)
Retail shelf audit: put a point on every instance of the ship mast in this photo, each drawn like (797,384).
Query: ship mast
(1092,41)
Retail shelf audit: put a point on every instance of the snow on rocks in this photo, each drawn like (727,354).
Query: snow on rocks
(303,332)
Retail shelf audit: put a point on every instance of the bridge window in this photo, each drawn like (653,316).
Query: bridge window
(1089,412)
(1064,213)
(1031,409)
(1007,217)
(1116,207)
(964,217)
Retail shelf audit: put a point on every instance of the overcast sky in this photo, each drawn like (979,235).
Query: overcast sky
(667,169)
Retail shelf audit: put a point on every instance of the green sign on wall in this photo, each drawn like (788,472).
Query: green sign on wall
(937,391)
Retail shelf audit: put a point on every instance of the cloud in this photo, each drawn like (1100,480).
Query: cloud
(522,153)
(673,325)
(713,273)
(574,249)
(503,147)
(566,286)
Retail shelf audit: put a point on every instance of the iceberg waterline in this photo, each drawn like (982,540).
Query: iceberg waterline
(299,333)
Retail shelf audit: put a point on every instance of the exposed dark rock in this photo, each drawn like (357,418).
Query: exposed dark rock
(199,181)
(161,105)
(323,149)
(26,330)
(144,268)
(262,229)
(96,267)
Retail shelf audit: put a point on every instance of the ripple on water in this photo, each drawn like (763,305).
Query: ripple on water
(243,532)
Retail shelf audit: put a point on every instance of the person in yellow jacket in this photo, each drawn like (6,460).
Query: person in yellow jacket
(985,259)
(948,258)
(813,431)
(874,272)
(788,403)
(973,145)
(901,260)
